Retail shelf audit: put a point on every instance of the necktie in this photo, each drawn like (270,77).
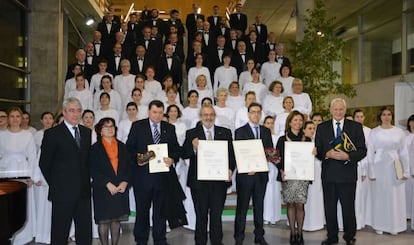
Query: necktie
(209,136)
(338,129)
(157,135)
(77,136)
(256,129)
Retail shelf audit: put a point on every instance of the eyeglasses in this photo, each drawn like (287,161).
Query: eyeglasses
(255,112)
(108,127)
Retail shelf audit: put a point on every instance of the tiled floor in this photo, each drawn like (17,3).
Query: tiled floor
(275,234)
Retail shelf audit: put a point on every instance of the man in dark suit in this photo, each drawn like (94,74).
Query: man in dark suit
(240,57)
(156,21)
(169,64)
(92,60)
(208,196)
(114,60)
(177,46)
(64,164)
(139,62)
(261,29)
(174,20)
(339,170)
(214,19)
(281,59)
(80,60)
(222,29)
(190,23)
(152,47)
(238,20)
(255,47)
(108,27)
(151,188)
(216,54)
(251,185)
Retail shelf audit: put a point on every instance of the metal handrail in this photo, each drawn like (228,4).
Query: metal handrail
(23,102)
(14,68)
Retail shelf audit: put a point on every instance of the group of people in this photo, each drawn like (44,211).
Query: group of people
(125,92)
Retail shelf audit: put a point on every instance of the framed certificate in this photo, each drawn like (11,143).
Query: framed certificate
(299,161)
(157,165)
(212,160)
(250,156)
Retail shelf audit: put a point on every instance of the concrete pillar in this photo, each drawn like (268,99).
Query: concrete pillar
(301,7)
(46,52)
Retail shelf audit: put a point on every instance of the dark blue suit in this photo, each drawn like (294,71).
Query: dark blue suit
(65,168)
(251,186)
(339,177)
(150,187)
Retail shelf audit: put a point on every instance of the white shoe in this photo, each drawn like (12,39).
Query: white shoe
(168,229)
(394,233)
(379,232)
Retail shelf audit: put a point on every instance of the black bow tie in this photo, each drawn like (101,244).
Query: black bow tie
(98,43)
(169,57)
(119,56)
(140,58)
(89,55)
(206,32)
(220,48)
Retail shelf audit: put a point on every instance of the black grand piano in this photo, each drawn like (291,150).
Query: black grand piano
(13,201)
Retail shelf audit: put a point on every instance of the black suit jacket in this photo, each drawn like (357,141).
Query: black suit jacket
(102,172)
(64,165)
(190,23)
(214,59)
(246,133)
(237,61)
(237,24)
(135,67)
(112,66)
(220,133)
(175,71)
(213,26)
(139,138)
(108,38)
(258,53)
(154,50)
(334,170)
(262,36)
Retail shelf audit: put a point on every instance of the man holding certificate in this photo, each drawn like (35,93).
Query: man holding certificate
(251,184)
(152,184)
(209,174)
(340,145)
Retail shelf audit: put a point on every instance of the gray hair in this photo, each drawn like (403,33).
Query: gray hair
(337,100)
(206,106)
(221,90)
(71,100)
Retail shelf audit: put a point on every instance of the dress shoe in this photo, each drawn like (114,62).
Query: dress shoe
(299,239)
(293,239)
(350,242)
(260,241)
(239,242)
(329,242)
(379,232)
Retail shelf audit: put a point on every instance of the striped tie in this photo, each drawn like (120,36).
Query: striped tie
(77,136)
(157,135)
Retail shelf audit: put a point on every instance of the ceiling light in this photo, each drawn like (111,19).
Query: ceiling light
(89,20)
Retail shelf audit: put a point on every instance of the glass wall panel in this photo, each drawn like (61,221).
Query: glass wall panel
(350,62)
(410,42)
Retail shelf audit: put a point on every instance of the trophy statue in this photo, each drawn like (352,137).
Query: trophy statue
(144,158)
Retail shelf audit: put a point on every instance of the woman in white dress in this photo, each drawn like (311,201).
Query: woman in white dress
(151,85)
(203,90)
(124,83)
(272,200)
(146,96)
(41,190)
(280,122)
(197,70)
(18,159)
(172,93)
(106,86)
(125,125)
(88,120)
(191,112)
(270,69)
(235,101)
(105,110)
(303,102)
(81,93)
(386,145)
(272,103)
(410,147)
(96,78)
(167,83)
(362,190)
(256,85)
(224,74)
(314,209)
(286,78)
(241,115)
(246,76)
(225,116)
(174,117)
(136,97)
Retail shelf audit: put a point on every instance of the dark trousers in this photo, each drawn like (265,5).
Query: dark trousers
(62,215)
(345,193)
(255,187)
(143,200)
(209,200)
